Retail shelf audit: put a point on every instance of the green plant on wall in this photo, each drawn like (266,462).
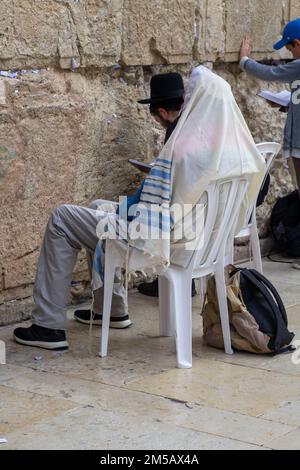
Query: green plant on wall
(6,156)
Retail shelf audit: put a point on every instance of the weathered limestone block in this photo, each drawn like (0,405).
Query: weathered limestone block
(158,32)
(42,31)
(15,311)
(294,9)
(199,30)
(21,271)
(210,31)
(2,93)
(259,19)
(7,48)
(39,34)
(99,31)
(18,293)
(215,34)
(42,136)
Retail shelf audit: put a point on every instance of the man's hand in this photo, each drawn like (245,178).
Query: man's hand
(273,105)
(246,48)
(145,170)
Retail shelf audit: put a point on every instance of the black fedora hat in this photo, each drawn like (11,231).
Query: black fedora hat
(165,87)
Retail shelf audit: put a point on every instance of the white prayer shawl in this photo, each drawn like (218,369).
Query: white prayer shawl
(210,142)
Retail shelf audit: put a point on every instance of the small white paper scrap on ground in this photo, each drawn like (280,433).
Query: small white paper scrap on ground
(3,440)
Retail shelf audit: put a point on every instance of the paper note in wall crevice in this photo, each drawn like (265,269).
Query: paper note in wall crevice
(282,98)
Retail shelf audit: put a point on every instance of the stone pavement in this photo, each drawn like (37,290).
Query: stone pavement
(136,398)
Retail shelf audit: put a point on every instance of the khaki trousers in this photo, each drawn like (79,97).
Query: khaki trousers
(70,228)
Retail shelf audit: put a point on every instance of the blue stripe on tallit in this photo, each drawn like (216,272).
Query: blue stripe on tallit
(159,180)
(97,261)
(155,192)
(162,174)
(166,162)
(155,180)
(157,185)
(162,166)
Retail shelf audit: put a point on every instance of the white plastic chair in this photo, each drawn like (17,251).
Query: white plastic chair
(269,150)
(175,305)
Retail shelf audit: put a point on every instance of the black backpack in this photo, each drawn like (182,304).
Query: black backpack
(285,224)
(265,305)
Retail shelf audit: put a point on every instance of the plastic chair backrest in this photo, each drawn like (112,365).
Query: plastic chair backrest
(212,245)
(268,150)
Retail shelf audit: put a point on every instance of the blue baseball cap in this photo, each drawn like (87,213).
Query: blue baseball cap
(290,33)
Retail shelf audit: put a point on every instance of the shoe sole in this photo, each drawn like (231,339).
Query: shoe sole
(43,344)
(118,325)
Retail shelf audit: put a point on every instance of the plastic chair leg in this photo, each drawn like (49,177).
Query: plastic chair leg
(181,293)
(166,311)
(110,267)
(222,301)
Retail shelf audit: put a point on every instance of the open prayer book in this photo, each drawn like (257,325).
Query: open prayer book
(282,98)
(145,167)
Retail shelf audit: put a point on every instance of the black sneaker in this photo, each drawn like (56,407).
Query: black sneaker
(151,288)
(41,337)
(84,316)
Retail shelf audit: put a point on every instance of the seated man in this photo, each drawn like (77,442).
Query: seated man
(211,141)
(71,228)
(165,105)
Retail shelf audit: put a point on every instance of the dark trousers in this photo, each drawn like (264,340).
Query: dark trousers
(296,162)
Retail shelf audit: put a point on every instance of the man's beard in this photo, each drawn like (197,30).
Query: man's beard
(163,122)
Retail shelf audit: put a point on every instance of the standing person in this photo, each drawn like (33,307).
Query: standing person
(71,228)
(290,74)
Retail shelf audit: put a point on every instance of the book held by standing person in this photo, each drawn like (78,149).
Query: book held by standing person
(282,98)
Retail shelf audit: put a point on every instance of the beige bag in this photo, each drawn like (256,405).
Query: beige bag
(245,334)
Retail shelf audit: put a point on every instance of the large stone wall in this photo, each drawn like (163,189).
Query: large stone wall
(69,120)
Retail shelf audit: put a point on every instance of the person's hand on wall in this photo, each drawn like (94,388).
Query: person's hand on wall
(246,48)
